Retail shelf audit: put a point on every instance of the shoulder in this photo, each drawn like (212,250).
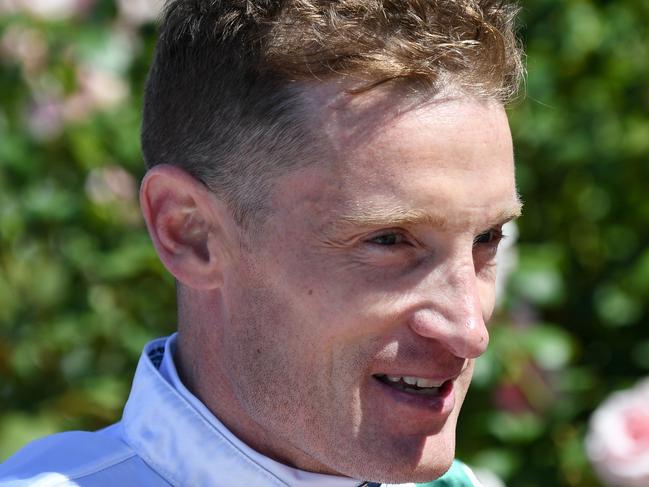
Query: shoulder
(459,475)
(70,459)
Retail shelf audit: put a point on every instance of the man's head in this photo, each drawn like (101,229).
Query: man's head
(345,170)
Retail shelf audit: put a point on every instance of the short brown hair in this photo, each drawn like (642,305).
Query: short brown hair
(222,98)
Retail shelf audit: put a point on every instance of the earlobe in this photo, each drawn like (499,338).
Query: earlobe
(182,224)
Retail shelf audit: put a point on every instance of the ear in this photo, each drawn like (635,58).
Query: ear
(180,214)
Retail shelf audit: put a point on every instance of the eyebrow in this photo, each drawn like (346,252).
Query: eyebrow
(399,216)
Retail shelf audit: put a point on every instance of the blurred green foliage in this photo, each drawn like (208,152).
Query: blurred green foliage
(81,289)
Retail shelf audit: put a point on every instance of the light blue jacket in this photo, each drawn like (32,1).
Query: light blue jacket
(165,439)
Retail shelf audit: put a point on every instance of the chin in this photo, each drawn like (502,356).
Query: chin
(431,470)
(427,469)
(405,461)
(399,475)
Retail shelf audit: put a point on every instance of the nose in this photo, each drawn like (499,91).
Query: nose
(453,313)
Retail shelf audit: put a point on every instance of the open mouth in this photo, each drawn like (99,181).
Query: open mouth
(416,385)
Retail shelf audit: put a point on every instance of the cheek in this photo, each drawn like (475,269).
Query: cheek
(293,375)
(487,293)
(268,381)
(275,335)
(255,332)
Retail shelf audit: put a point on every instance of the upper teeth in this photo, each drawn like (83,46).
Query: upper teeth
(414,381)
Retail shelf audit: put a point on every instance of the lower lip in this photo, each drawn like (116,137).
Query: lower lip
(439,405)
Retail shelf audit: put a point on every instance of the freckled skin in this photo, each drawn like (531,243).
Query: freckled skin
(324,307)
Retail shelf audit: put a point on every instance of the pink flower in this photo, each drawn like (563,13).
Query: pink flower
(98,90)
(45,118)
(140,11)
(618,439)
(112,183)
(104,88)
(53,9)
(25,46)
(115,189)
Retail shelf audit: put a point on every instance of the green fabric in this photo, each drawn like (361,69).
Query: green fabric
(455,477)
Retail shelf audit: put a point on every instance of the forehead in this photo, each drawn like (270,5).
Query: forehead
(447,155)
(357,126)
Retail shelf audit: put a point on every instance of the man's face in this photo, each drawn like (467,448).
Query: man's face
(375,269)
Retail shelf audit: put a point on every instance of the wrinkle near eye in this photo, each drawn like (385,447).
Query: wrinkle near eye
(336,243)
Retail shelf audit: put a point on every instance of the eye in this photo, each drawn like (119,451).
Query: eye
(388,239)
(491,237)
